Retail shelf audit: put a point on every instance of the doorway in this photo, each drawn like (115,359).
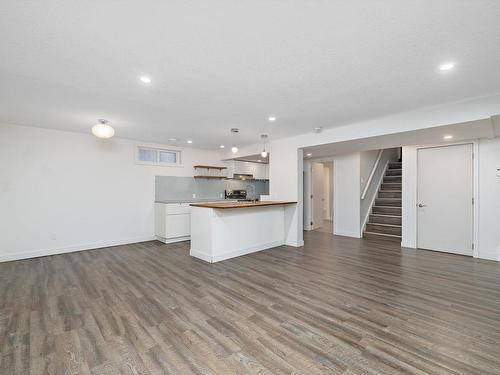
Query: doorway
(445,205)
(321,198)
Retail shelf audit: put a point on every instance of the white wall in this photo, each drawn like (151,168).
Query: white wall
(328,189)
(307,191)
(346,195)
(286,173)
(367,161)
(488,202)
(489,199)
(63,191)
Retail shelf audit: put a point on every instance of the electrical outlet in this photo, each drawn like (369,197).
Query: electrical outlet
(194,196)
(221,195)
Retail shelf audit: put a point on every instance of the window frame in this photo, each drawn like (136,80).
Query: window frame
(157,162)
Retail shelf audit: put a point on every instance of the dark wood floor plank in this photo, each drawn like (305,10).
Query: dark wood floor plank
(335,306)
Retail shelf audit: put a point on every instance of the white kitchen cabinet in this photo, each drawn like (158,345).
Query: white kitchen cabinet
(258,170)
(172,222)
(261,171)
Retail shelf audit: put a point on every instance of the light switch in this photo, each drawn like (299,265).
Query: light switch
(498,172)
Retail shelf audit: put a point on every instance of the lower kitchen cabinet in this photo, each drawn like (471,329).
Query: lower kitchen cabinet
(172,222)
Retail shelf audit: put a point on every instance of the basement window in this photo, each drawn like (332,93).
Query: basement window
(157,156)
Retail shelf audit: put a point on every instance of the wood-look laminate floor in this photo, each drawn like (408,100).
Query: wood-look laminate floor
(335,306)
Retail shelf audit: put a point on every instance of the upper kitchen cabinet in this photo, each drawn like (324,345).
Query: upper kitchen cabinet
(258,171)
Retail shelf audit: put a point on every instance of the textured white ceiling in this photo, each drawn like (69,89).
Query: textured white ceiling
(223,63)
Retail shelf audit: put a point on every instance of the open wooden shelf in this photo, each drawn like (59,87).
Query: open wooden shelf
(209,167)
(211,177)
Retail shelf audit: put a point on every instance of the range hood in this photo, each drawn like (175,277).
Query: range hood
(242,176)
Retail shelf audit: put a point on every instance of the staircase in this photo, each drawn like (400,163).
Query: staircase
(385,219)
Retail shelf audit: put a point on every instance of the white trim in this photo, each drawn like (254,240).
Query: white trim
(475,194)
(372,173)
(71,249)
(381,179)
(348,234)
(295,243)
(200,255)
(172,240)
(475,190)
(234,254)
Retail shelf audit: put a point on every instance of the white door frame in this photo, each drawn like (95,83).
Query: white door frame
(475,188)
(309,182)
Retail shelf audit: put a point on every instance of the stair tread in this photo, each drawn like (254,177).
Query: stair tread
(376,205)
(385,225)
(386,215)
(390,199)
(383,234)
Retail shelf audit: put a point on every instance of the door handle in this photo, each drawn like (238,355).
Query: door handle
(420,205)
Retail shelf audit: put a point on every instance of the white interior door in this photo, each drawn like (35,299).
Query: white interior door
(444,198)
(317,195)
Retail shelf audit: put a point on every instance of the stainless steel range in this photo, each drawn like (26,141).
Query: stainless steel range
(235,194)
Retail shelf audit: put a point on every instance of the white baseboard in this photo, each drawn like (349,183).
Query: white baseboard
(348,234)
(200,255)
(234,254)
(71,249)
(172,240)
(295,243)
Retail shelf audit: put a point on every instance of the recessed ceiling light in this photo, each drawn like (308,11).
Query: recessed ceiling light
(318,129)
(189,141)
(446,66)
(145,79)
(234,149)
(172,139)
(447,137)
(271,118)
(222,146)
(309,154)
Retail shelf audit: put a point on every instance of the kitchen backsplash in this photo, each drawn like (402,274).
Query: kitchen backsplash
(168,188)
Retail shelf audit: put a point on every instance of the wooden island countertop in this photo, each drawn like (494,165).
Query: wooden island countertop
(226,205)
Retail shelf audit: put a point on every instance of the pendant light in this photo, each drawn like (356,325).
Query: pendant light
(234,131)
(103,130)
(264,152)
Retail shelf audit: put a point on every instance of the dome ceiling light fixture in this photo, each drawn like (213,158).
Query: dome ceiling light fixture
(264,152)
(103,130)
(234,132)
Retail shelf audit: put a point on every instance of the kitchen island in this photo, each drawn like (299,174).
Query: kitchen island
(223,230)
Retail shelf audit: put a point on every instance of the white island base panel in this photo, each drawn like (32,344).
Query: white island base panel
(219,234)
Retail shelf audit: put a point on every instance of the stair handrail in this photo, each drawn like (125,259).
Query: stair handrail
(375,166)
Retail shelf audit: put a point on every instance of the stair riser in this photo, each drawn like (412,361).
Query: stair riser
(395,165)
(387,210)
(388,202)
(383,229)
(385,220)
(389,194)
(386,186)
(393,172)
(389,179)
(375,237)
